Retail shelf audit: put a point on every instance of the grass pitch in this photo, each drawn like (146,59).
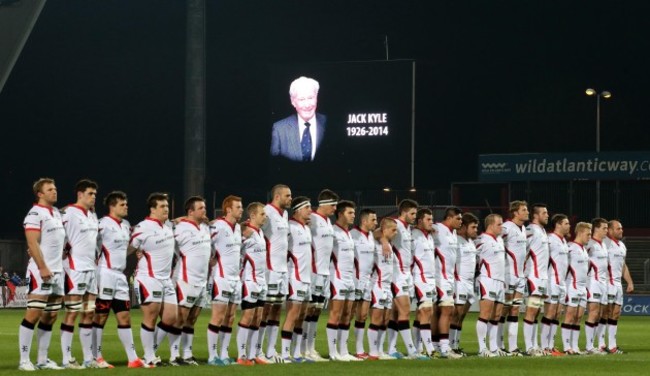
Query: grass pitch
(633,338)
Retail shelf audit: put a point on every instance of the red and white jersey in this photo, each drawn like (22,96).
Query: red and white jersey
(194,245)
(82,230)
(382,272)
(254,253)
(578,266)
(424,256)
(322,242)
(226,241)
(446,243)
(492,256)
(115,235)
(342,265)
(538,252)
(466,261)
(299,263)
(47,220)
(616,251)
(403,247)
(156,241)
(516,243)
(598,261)
(364,248)
(559,258)
(276,231)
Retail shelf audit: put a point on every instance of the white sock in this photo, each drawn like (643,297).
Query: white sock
(535,337)
(381,339)
(358,336)
(225,342)
(513,332)
(25,334)
(500,328)
(343,335)
(126,337)
(260,339)
(493,327)
(311,336)
(332,337)
(67,332)
(453,332)
(297,343)
(544,334)
(98,336)
(187,340)
(213,339)
(575,336)
(551,336)
(147,338)
(566,337)
(415,333)
(405,333)
(253,336)
(86,339)
(285,344)
(600,333)
(481,334)
(174,344)
(272,332)
(611,331)
(43,338)
(392,337)
(425,335)
(242,338)
(373,340)
(590,330)
(528,334)
(159,336)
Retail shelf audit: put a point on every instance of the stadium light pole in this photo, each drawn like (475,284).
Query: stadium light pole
(606,95)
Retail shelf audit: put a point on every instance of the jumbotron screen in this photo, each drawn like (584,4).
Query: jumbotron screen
(354,132)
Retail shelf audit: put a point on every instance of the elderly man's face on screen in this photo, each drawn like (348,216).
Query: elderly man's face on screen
(304,100)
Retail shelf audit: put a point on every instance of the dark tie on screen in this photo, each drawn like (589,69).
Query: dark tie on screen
(305,143)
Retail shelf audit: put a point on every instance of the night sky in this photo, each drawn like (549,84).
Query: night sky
(99,88)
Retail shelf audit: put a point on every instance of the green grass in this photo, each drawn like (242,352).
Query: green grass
(632,337)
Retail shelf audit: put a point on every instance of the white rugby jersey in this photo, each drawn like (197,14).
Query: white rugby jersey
(115,235)
(276,232)
(383,269)
(226,241)
(516,243)
(254,253)
(47,220)
(342,265)
(299,256)
(424,258)
(322,239)
(403,247)
(492,256)
(82,229)
(466,261)
(446,243)
(558,259)
(538,252)
(578,266)
(616,251)
(364,248)
(194,245)
(598,261)
(156,241)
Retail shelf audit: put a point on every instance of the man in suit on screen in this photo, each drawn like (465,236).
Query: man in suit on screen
(299,136)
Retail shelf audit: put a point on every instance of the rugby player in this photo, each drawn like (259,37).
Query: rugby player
(424,274)
(597,287)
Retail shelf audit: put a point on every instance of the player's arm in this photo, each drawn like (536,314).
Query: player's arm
(628,279)
(33,242)
(386,247)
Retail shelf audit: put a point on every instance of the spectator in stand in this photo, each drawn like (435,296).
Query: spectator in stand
(4,278)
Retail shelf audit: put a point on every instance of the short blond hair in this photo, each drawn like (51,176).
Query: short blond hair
(38,185)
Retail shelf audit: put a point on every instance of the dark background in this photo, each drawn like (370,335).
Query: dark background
(99,88)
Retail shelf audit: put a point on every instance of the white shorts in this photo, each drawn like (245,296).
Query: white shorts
(299,291)
(403,284)
(363,290)
(556,293)
(190,296)
(491,289)
(576,297)
(424,291)
(320,285)
(253,291)
(36,285)
(226,290)
(597,292)
(153,290)
(465,292)
(445,290)
(112,285)
(380,298)
(341,289)
(515,284)
(80,282)
(277,283)
(615,294)
(537,286)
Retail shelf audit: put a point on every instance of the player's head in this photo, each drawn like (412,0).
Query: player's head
(540,214)
(368,219)
(327,201)
(453,217)
(45,191)
(195,208)
(345,212)
(469,226)
(599,228)
(256,214)
(493,224)
(281,196)
(232,208)
(519,210)
(424,219)
(561,224)
(304,96)
(117,204)
(615,229)
(86,191)
(301,207)
(158,206)
(388,228)
(582,232)
(407,210)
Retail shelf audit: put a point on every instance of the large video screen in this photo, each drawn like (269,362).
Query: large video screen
(343,125)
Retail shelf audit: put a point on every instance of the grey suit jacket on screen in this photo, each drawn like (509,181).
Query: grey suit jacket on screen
(285,139)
